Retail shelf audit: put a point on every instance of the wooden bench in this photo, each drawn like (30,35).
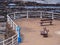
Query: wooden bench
(46,21)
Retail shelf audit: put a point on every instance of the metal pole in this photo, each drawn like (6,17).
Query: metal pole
(12,41)
(3,43)
(14,15)
(52,16)
(13,26)
(27,15)
(11,23)
(41,15)
(7,19)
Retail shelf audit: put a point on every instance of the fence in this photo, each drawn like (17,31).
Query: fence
(12,40)
(35,14)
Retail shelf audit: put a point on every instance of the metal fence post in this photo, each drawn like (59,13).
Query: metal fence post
(12,41)
(27,14)
(41,14)
(11,23)
(3,43)
(14,15)
(52,16)
(13,26)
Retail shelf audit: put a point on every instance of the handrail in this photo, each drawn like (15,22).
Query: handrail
(12,24)
(41,13)
(11,21)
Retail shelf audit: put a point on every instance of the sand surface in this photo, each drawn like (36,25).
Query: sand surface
(30,29)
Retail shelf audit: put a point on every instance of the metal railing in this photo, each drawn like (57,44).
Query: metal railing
(28,14)
(11,22)
(12,40)
(40,14)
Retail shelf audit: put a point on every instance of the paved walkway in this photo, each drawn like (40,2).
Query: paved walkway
(30,29)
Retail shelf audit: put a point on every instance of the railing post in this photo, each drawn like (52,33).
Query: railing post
(11,23)
(27,15)
(3,43)
(41,14)
(7,19)
(13,26)
(12,41)
(52,16)
(14,15)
